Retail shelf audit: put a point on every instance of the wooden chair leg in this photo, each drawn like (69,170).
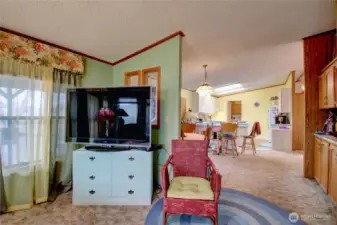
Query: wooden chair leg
(243,145)
(253,145)
(236,148)
(226,146)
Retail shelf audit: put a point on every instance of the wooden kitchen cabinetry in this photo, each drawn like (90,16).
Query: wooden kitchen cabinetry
(325,165)
(317,160)
(333,173)
(327,87)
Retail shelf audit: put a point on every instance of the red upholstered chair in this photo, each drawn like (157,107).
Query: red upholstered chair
(196,184)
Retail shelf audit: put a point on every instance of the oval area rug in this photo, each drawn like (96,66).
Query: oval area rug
(235,208)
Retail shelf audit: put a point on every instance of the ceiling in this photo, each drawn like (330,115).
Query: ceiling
(255,43)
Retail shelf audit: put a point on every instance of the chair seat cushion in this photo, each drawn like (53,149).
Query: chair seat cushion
(193,136)
(190,188)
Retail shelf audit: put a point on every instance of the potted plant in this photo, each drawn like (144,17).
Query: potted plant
(274,100)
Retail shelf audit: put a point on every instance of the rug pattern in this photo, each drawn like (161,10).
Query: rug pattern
(235,208)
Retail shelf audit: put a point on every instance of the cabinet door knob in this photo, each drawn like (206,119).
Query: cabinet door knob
(131,158)
(92,177)
(131,177)
(92,192)
(91,158)
(131,192)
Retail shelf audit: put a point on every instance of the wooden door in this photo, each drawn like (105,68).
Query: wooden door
(333,173)
(317,160)
(324,165)
(322,91)
(330,87)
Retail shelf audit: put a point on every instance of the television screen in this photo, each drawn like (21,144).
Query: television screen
(111,116)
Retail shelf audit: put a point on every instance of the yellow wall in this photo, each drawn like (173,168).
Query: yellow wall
(251,113)
(289,81)
(192,99)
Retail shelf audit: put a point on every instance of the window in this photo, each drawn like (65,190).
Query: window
(24,118)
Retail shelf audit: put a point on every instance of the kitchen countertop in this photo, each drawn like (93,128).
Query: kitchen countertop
(328,138)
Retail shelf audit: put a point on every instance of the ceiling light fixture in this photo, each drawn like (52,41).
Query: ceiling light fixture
(228,88)
(230,91)
(205,88)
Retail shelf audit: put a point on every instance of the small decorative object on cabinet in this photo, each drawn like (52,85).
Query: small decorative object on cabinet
(112,178)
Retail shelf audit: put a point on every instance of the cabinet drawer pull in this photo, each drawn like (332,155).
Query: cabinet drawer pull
(91,158)
(131,158)
(92,177)
(131,177)
(92,192)
(131,192)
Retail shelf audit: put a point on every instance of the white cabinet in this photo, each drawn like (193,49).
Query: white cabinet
(282,140)
(112,178)
(285,99)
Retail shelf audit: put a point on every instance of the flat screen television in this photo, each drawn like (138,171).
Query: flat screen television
(109,116)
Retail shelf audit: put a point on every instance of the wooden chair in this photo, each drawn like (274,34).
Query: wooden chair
(228,128)
(195,185)
(188,132)
(251,137)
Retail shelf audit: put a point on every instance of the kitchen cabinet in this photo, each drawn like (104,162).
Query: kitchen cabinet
(281,139)
(327,88)
(333,173)
(236,108)
(317,160)
(324,165)
(285,99)
(322,92)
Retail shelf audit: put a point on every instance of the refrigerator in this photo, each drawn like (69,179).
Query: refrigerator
(273,112)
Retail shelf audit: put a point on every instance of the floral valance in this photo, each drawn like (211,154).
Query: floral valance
(28,50)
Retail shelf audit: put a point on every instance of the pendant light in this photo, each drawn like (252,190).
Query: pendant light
(205,88)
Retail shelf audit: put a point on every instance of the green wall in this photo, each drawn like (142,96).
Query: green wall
(97,74)
(168,56)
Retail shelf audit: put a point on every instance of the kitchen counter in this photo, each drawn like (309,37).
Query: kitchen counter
(328,138)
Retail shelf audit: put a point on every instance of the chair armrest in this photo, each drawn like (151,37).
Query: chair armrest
(164,176)
(215,179)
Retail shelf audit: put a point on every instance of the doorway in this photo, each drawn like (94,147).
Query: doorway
(234,111)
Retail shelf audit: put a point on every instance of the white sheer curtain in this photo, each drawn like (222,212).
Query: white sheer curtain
(25,110)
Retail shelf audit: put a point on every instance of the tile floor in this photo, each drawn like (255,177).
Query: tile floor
(272,175)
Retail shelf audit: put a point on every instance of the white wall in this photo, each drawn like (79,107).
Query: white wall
(192,99)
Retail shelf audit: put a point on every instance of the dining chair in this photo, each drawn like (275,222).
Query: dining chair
(228,133)
(255,131)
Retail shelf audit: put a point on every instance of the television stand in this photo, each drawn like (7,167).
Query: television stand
(112,177)
(99,148)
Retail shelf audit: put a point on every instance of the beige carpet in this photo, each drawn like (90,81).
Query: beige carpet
(274,176)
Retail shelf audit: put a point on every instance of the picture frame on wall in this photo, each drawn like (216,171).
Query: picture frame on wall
(151,77)
(132,78)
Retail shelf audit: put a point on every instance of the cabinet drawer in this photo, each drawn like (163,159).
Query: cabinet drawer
(132,185)
(130,161)
(88,163)
(94,190)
